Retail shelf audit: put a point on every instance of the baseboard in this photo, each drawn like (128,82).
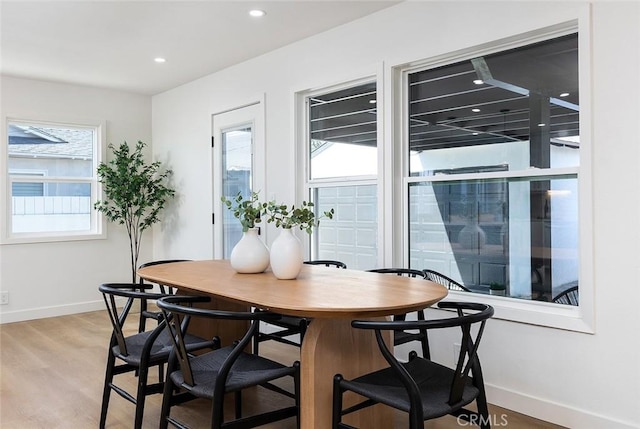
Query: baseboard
(53,311)
(560,414)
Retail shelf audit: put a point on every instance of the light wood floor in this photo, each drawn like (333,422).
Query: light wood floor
(52,371)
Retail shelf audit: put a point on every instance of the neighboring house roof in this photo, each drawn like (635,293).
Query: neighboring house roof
(26,140)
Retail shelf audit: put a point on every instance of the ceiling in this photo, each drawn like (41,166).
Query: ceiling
(113,44)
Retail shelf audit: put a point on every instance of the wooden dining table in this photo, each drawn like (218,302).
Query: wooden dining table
(333,298)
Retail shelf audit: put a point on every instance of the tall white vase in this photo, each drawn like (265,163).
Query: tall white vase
(250,255)
(286,255)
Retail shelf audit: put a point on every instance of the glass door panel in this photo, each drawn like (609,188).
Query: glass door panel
(236,178)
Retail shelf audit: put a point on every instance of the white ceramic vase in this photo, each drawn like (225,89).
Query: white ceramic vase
(250,255)
(286,255)
(472,236)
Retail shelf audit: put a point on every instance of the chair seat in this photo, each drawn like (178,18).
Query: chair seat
(248,370)
(159,350)
(433,380)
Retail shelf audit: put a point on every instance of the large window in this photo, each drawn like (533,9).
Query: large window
(494,156)
(342,160)
(52,183)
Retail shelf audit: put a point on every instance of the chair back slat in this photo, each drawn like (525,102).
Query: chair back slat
(468,353)
(178,324)
(445,281)
(117,320)
(327,263)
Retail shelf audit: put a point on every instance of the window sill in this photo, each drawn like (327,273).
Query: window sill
(51,238)
(547,314)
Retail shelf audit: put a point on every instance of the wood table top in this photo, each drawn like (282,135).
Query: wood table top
(318,291)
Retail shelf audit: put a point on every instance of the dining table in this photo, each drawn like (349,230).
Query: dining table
(332,298)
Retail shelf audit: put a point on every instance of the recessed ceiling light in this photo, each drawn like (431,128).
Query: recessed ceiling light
(257,13)
(475,134)
(476,110)
(564,94)
(478,81)
(373,101)
(541,125)
(160,60)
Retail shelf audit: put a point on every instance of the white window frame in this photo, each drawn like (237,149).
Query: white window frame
(98,225)
(305,192)
(575,318)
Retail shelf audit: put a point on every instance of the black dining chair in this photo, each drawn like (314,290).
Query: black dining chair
(569,296)
(223,370)
(136,353)
(288,326)
(164,289)
(420,387)
(445,281)
(155,314)
(403,336)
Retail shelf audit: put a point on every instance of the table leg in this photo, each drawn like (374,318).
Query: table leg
(331,346)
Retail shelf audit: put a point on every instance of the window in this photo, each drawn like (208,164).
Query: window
(236,178)
(51,172)
(493,169)
(342,161)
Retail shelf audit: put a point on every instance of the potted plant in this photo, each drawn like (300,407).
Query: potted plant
(286,251)
(248,211)
(496,288)
(135,193)
(249,255)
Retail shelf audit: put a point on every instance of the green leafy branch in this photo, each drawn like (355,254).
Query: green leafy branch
(247,211)
(290,217)
(135,193)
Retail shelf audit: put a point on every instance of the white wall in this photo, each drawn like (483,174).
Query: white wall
(574,379)
(51,279)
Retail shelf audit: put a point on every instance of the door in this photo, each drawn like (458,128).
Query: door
(238,166)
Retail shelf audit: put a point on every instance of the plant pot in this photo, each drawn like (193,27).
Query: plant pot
(286,255)
(250,255)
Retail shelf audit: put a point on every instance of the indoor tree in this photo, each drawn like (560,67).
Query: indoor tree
(135,193)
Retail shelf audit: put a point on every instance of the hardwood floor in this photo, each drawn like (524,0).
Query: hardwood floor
(52,371)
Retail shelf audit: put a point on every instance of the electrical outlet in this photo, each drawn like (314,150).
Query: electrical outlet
(4,298)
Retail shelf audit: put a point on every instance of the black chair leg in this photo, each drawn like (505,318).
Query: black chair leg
(141,396)
(337,402)
(161,372)
(296,391)
(303,330)
(217,413)
(256,342)
(425,345)
(106,392)
(483,410)
(238,400)
(167,396)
